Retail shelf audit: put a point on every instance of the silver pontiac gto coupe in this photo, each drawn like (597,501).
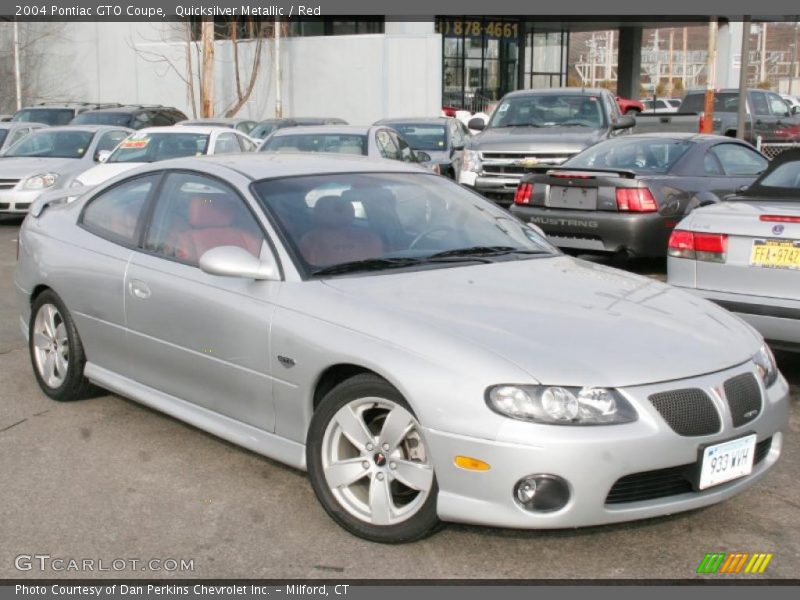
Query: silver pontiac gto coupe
(422,353)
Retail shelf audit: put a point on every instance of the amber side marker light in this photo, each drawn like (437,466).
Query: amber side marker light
(471,464)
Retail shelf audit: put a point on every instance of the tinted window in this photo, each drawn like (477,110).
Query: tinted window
(48,116)
(406,153)
(323,142)
(651,155)
(723,102)
(115,213)
(759,103)
(334,219)
(110,140)
(151,147)
(194,214)
(3,135)
(17,136)
(162,119)
(777,105)
(54,144)
(785,176)
(386,145)
(739,160)
(263,129)
(549,110)
(245,126)
(423,136)
(103,118)
(142,119)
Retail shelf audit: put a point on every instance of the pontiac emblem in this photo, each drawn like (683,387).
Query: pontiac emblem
(777,229)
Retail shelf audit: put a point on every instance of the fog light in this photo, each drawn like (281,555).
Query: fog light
(541,493)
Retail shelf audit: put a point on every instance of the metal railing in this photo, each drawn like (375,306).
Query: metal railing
(771,150)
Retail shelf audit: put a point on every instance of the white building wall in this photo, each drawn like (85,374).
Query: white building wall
(360,78)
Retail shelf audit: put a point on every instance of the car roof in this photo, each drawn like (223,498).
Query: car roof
(231,120)
(126,109)
(92,127)
(18,124)
(557,92)
(206,130)
(264,165)
(397,120)
(331,129)
(677,135)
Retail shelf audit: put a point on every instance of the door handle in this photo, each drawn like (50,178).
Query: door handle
(138,289)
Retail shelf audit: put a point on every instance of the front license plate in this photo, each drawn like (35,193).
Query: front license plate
(776,254)
(726,461)
(580,198)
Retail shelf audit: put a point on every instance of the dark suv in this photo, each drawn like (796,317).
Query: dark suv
(133,116)
(55,113)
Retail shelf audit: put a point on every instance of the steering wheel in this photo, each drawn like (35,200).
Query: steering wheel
(428,233)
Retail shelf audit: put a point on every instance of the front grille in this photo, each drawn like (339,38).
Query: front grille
(4,206)
(504,163)
(7,184)
(22,205)
(671,481)
(688,412)
(744,398)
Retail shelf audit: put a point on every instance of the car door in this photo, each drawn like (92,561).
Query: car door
(109,228)
(199,337)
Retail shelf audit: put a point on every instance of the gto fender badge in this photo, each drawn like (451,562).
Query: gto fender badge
(286,361)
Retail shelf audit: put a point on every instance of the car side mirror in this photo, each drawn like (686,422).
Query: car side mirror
(477,124)
(795,109)
(233,261)
(422,156)
(742,189)
(101,156)
(624,122)
(458,146)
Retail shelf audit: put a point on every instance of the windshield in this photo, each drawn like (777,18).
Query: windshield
(53,144)
(152,147)
(783,182)
(549,110)
(375,221)
(48,116)
(119,119)
(340,143)
(642,155)
(422,136)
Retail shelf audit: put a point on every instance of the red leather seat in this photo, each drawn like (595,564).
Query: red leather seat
(335,239)
(211,225)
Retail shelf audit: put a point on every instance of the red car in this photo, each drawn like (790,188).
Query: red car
(629,107)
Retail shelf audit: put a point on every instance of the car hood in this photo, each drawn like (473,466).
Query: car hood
(531,138)
(17,167)
(562,320)
(100,173)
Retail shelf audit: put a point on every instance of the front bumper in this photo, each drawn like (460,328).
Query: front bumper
(640,234)
(17,201)
(592,459)
(499,189)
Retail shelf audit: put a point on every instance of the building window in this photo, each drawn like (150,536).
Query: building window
(244,28)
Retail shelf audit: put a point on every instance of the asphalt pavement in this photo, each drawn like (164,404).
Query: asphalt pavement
(106,479)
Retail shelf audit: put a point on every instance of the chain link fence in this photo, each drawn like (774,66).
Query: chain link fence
(771,150)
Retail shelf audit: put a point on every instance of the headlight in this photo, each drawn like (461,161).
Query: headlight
(471,161)
(39,182)
(765,364)
(560,405)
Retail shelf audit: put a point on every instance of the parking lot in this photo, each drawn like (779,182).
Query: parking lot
(108,479)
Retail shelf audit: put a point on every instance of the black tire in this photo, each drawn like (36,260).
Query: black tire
(74,386)
(421,524)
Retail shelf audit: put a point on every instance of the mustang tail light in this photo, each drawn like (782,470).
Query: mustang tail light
(636,200)
(709,247)
(524,193)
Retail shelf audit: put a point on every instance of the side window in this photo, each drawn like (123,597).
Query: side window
(737,159)
(115,213)
(386,145)
(110,140)
(760,105)
(777,105)
(711,164)
(406,153)
(226,144)
(246,144)
(18,135)
(162,119)
(194,214)
(142,119)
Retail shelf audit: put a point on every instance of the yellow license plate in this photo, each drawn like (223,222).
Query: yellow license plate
(776,254)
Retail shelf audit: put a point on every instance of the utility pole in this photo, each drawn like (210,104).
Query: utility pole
(17,76)
(744,65)
(685,80)
(707,124)
(277,61)
(671,49)
(207,80)
(762,73)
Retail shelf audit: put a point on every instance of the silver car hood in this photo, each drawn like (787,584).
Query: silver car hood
(562,320)
(17,167)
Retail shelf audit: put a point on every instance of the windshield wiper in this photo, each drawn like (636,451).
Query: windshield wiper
(485,251)
(378,264)
(519,125)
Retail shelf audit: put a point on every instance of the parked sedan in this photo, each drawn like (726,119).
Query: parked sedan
(162,143)
(239,124)
(13,131)
(625,195)
(47,157)
(410,344)
(744,254)
(442,138)
(375,141)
